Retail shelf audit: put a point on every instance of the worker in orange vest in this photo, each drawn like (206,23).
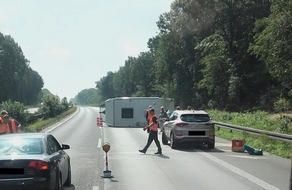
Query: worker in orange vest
(2,126)
(3,112)
(153,135)
(9,125)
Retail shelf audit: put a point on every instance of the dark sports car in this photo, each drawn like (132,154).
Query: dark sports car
(33,161)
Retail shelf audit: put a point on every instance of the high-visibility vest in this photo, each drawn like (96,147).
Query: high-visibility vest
(154,127)
(12,126)
(2,128)
(150,118)
(150,115)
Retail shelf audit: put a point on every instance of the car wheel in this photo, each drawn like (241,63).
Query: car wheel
(164,139)
(173,141)
(211,145)
(58,185)
(68,180)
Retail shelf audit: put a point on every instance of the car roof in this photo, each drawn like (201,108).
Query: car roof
(180,112)
(27,135)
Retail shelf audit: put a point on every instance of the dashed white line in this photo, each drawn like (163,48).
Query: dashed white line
(248,157)
(95,188)
(99,143)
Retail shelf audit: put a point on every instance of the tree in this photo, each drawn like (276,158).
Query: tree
(273,46)
(18,81)
(88,97)
(105,86)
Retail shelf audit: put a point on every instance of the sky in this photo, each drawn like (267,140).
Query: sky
(74,43)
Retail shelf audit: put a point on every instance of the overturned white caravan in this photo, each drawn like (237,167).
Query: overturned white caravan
(131,111)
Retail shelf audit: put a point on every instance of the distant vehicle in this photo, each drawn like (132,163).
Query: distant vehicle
(193,126)
(131,111)
(33,161)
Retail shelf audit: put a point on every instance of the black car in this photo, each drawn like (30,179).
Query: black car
(33,161)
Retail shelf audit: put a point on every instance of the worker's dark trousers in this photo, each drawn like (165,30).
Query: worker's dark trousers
(153,136)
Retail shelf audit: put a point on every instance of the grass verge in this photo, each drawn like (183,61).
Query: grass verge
(41,124)
(258,120)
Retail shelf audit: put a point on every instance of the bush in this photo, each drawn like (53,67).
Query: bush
(41,124)
(282,105)
(15,110)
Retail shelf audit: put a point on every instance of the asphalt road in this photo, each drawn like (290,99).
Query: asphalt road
(185,169)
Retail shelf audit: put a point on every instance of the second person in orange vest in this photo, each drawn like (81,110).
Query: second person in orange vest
(153,135)
(3,112)
(10,125)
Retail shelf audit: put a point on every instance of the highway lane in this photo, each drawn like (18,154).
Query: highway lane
(81,132)
(188,168)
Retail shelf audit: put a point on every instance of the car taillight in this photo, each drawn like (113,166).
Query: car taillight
(181,124)
(39,165)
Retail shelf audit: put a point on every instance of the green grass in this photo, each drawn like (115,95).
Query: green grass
(41,124)
(258,120)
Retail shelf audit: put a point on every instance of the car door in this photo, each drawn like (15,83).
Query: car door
(59,156)
(168,125)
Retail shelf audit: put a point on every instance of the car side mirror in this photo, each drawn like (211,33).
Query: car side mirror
(65,147)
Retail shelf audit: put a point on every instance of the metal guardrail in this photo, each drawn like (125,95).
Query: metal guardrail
(272,135)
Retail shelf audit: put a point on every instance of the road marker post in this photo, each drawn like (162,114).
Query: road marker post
(106,173)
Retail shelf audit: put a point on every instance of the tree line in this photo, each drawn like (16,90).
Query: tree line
(19,82)
(229,54)
(21,86)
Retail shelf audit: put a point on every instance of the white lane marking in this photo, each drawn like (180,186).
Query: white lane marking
(99,143)
(95,188)
(240,172)
(223,145)
(48,130)
(249,157)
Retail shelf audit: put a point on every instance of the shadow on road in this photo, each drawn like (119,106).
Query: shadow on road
(197,148)
(71,187)
(157,155)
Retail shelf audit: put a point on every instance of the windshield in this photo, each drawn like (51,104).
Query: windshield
(195,117)
(20,146)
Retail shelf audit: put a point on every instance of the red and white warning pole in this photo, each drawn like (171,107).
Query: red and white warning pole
(107,173)
(106,162)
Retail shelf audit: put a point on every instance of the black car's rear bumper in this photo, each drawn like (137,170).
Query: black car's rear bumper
(26,183)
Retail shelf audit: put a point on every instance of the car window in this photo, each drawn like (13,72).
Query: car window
(195,117)
(173,116)
(169,113)
(21,146)
(52,145)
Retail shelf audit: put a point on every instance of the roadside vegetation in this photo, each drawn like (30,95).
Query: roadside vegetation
(43,123)
(281,123)
(226,55)
(50,111)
